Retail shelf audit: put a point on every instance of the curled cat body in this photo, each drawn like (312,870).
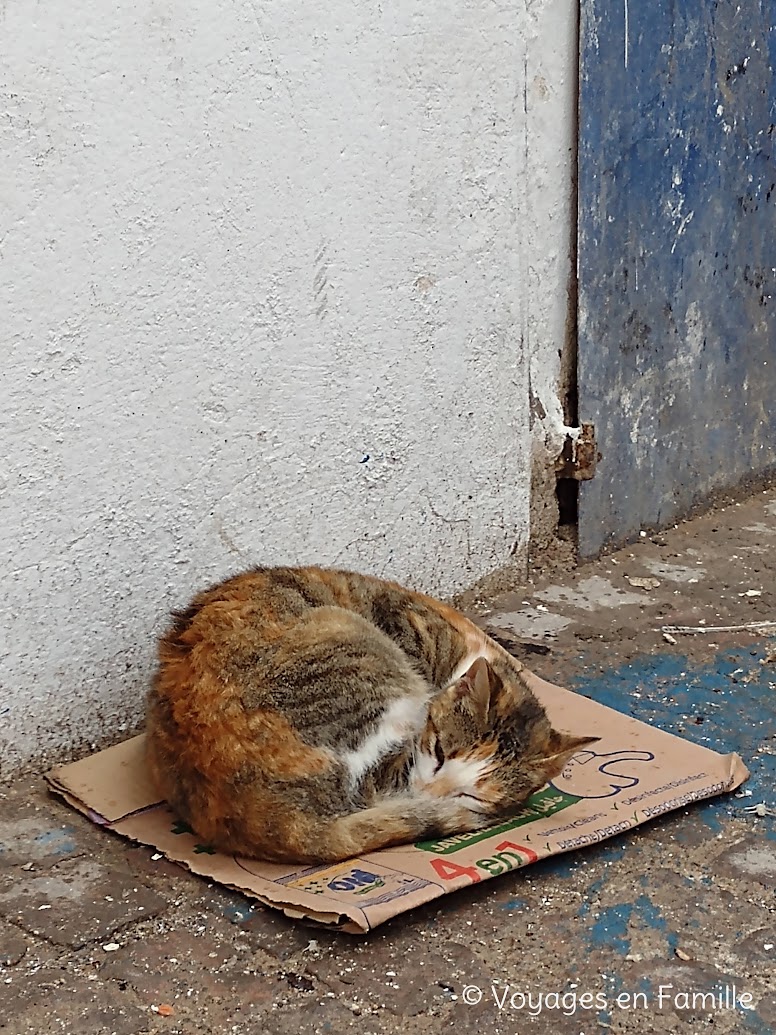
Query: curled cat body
(311,715)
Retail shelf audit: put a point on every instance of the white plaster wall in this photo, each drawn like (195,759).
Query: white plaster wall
(264,271)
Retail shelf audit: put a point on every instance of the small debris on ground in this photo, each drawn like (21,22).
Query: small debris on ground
(645,582)
(760,810)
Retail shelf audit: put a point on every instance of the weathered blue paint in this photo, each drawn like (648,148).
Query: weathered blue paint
(609,929)
(513,905)
(57,841)
(610,926)
(677,255)
(648,915)
(733,696)
(753,1023)
(237,912)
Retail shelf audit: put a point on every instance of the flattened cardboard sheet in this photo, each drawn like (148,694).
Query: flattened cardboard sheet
(634,773)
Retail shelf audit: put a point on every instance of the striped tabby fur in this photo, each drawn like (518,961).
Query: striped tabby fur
(309,715)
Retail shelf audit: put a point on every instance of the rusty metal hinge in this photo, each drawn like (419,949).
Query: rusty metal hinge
(580,455)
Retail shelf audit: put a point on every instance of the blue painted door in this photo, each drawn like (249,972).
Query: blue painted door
(677,255)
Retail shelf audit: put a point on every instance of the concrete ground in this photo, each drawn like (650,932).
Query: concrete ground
(97,937)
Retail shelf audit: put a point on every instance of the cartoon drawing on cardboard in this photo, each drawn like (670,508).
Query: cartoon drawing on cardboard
(592,775)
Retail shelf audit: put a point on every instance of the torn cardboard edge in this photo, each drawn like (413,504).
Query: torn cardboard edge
(635,773)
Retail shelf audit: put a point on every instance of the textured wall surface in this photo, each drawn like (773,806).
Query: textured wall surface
(265,269)
(677,256)
(548,207)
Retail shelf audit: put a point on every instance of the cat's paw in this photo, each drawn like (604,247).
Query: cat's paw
(455,817)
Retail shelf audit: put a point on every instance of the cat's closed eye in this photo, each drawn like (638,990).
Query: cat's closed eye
(439,754)
(472,801)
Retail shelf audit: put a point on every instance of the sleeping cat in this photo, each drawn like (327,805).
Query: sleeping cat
(308,715)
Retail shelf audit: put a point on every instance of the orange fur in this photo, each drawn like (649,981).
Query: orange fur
(270,686)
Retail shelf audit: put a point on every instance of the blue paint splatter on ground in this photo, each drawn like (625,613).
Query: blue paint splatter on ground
(728,705)
(735,698)
(58,841)
(754,1023)
(609,930)
(650,916)
(610,925)
(237,912)
(513,905)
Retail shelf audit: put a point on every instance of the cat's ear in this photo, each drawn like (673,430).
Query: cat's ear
(562,746)
(476,688)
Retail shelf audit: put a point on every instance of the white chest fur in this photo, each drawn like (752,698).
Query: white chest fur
(401,723)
